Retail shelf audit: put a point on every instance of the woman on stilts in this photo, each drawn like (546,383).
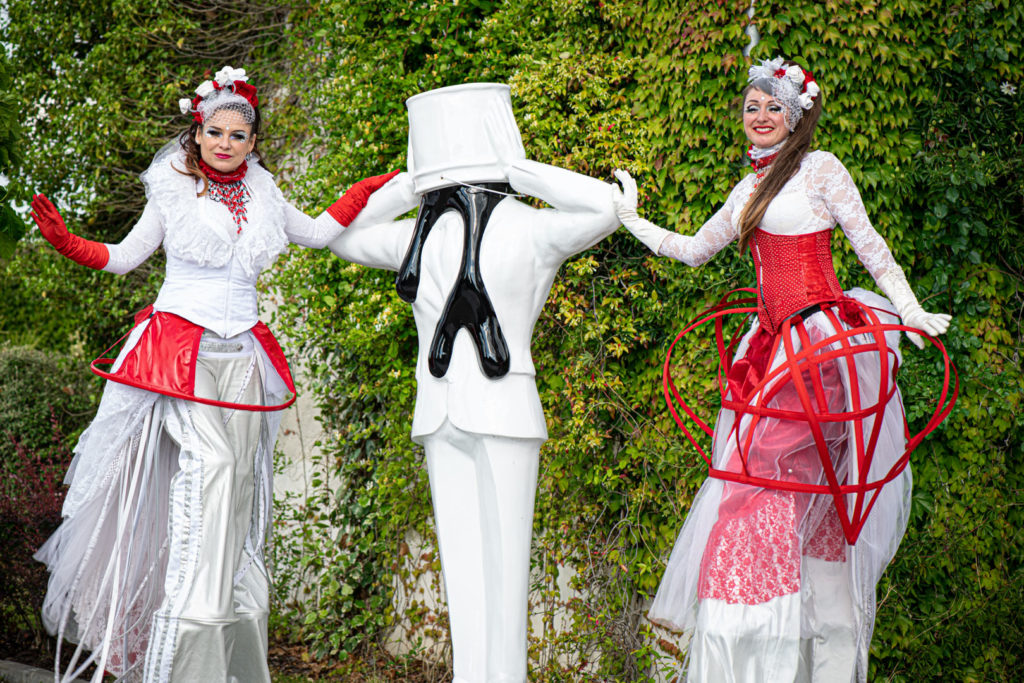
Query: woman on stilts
(158,567)
(774,572)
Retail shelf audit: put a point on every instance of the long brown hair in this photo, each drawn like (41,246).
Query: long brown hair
(782,169)
(193,154)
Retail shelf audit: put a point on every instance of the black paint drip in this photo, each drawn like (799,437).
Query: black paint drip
(468,304)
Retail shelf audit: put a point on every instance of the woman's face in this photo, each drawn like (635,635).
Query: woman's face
(224,139)
(764,119)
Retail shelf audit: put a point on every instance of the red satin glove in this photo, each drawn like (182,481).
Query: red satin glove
(352,202)
(51,225)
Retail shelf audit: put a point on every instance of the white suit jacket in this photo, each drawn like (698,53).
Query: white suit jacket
(521,251)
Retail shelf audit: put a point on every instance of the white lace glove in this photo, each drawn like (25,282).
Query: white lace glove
(625,201)
(895,286)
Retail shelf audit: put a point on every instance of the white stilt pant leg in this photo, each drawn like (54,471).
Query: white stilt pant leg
(197,634)
(829,648)
(483,490)
(736,643)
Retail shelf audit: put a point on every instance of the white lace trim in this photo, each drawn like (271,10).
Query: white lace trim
(200,230)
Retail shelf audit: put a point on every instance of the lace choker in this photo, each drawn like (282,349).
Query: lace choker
(218,177)
(763,162)
(761,157)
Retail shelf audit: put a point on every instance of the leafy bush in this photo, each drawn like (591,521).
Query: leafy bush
(45,402)
(12,227)
(41,393)
(31,495)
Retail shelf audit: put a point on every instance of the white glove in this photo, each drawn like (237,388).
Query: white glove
(895,286)
(625,201)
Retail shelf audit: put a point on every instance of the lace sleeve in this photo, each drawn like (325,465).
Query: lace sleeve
(844,202)
(713,236)
(139,245)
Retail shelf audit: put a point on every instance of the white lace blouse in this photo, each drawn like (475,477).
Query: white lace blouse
(820,195)
(211,267)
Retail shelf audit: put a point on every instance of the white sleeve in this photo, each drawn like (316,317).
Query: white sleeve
(138,245)
(375,238)
(583,212)
(716,234)
(310,232)
(844,202)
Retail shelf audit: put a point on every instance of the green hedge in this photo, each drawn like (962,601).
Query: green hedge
(41,395)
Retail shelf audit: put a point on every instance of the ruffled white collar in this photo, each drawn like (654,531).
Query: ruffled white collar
(201,230)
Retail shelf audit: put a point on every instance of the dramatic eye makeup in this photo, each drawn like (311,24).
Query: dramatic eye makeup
(754,107)
(236,136)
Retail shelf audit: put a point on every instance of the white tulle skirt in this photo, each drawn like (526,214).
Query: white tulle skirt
(131,545)
(764,581)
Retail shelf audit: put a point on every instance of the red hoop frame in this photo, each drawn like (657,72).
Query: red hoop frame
(807,361)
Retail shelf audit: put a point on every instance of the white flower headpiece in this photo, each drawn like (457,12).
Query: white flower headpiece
(794,88)
(228,89)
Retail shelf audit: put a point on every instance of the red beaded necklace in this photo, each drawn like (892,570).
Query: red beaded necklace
(230,190)
(760,165)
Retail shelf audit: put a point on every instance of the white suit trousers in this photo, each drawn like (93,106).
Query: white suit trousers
(483,489)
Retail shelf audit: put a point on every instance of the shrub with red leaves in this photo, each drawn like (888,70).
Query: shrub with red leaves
(46,399)
(31,495)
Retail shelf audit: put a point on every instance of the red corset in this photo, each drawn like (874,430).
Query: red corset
(793,273)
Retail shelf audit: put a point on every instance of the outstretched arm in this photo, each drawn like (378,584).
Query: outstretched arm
(845,204)
(139,245)
(693,250)
(374,238)
(317,232)
(583,213)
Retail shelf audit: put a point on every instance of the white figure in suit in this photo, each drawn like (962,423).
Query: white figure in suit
(476,294)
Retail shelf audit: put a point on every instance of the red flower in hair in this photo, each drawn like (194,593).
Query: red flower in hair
(247,91)
(196,116)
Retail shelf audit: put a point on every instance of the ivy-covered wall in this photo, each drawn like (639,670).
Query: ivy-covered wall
(922,104)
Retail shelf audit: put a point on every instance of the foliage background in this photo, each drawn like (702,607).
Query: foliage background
(12,227)
(922,103)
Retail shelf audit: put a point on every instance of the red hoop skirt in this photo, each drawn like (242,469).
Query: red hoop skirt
(810,455)
(161,356)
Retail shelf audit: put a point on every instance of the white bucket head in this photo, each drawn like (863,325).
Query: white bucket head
(462,133)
